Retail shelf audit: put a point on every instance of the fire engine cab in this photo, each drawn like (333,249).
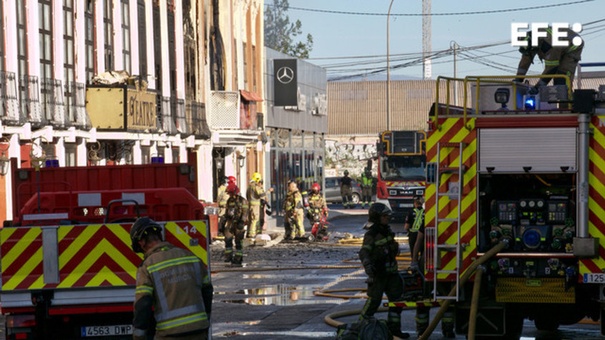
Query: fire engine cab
(514,205)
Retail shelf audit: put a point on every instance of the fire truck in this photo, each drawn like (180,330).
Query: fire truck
(515,226)
(68,270)
(401,169)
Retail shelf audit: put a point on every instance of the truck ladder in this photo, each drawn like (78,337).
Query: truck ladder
(453,196)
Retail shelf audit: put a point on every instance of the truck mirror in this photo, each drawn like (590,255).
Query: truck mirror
(431,172)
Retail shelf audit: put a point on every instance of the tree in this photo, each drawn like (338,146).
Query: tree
(280,33)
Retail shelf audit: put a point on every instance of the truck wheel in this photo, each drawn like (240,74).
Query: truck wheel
(355,198)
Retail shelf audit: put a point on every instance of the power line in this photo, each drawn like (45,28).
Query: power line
(436,14)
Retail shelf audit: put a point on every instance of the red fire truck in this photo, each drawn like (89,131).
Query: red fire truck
(401,169)
(514,204)
(68,270)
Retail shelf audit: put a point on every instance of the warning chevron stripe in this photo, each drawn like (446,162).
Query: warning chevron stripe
(181,233)
(89,256)
(453,130)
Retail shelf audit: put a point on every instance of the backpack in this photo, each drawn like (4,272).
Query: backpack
(369,328)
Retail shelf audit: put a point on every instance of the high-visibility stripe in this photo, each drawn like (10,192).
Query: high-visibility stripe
(596,192)
(89,256)
(453,130)
(551,62)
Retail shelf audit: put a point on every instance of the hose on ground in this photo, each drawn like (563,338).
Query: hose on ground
(465,277)
(472,319)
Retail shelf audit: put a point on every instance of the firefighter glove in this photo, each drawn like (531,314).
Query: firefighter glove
(240,226)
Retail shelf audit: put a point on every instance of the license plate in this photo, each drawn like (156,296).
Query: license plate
(406,205)
(91,331)
(594,278)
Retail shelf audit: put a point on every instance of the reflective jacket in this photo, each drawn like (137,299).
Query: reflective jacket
(317,201)
(293,202)
(379,251)
(222,196)
(237,210)
(174,286)
(255,193)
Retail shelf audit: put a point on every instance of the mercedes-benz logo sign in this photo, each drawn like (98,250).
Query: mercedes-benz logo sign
(285,75)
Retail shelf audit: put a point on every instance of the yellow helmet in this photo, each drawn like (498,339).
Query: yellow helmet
(256,177)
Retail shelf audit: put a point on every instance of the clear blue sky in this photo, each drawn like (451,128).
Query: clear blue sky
(342,29)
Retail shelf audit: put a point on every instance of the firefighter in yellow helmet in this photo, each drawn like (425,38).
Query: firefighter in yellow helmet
(256,196)
(557,59)
(181,308)
(236,220)
(294,213)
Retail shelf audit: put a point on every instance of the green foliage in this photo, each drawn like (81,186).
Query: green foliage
(280,33)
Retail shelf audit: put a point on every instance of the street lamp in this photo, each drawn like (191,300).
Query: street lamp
(389,69)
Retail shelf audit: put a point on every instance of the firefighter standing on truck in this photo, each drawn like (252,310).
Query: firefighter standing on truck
(345,190)
(422,313)
(367,183)
(557,59)
(294,213)
(236,220)
(173,288)
(256,195)
(378,257)
(222,197)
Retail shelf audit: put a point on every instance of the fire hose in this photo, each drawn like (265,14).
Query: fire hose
(465,277)
(330,318)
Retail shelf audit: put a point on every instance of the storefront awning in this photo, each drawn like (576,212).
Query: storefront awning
(250,96)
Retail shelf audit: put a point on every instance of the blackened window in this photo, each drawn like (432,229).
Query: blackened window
(22,54)
(89,41)
(108,33)
(171,47)
(142,40)
(46,38)
(68,64)
(126,35)
(1,39)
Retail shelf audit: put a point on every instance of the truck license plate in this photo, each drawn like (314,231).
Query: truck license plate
(406,205)
(594,278)
(91,331)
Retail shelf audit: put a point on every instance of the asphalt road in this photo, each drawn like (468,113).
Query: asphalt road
(288,290)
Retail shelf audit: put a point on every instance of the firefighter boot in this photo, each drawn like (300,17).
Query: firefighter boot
(447,325)
(422,320)
(395,330)
(228,256)
(237,259)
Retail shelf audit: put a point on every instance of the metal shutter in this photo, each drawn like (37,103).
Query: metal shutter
(542,149)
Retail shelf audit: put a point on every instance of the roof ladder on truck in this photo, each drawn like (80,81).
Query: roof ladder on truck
(454,194)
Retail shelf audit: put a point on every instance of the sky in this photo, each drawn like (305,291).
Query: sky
(350,36)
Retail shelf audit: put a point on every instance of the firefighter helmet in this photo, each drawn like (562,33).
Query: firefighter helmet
(232,189)
(419,199)
(377,210)
(315,187)
(140,229)
(256,177)
(346,172)
(230,179)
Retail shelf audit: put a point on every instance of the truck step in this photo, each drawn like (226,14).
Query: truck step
(451,247)
(453,219)
(449,145)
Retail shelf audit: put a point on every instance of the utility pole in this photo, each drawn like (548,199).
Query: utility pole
(389,69)
(426,39)
(454,46)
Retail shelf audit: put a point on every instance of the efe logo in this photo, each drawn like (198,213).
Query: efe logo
(539,30)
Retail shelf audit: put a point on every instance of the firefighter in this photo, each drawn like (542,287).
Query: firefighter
(236,220)
(172,287)
(378,256)
(256,195)
(367,183)
(557,59)
(422,313)
(317,203)
(345,191)
(294,213)
(222,197)
(413,221)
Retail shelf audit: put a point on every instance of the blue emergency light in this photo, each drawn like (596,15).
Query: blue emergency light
(530,102)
